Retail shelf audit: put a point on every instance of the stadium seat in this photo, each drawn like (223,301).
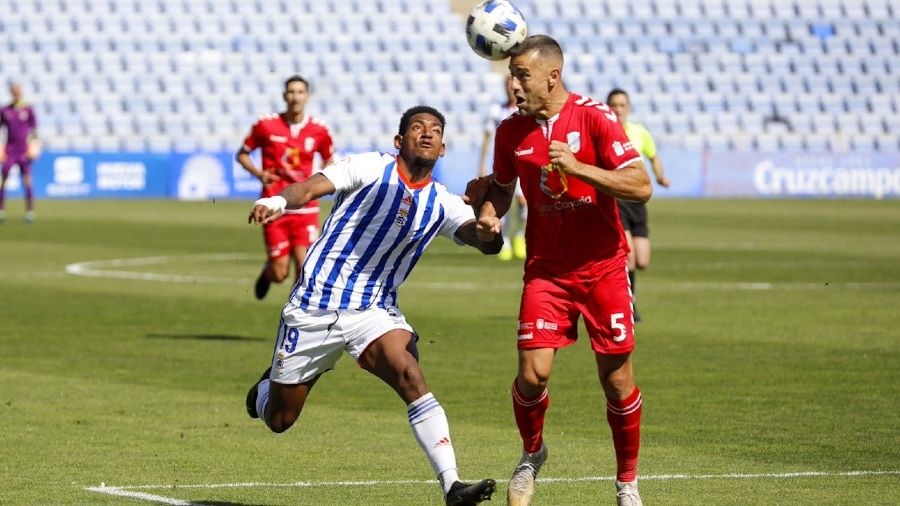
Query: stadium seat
(718,141)
(817,58)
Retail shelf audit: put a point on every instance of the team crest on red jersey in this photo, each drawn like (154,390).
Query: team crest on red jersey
(573,139)
(291,158)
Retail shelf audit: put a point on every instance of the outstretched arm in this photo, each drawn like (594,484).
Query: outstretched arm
(295,196)
(483,234)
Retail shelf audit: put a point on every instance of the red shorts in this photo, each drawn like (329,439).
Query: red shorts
(290,231)
(551,305)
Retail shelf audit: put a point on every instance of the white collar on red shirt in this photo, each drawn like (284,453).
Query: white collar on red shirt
(296,127)
(547,124)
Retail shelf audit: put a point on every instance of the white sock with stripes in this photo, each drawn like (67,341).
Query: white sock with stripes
(262,399)
(429,425)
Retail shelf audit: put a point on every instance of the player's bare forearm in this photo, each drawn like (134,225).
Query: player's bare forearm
(243,159)
(659,172)
(268,209)
(627,183)
(497,200)
(468,234)
(299,194)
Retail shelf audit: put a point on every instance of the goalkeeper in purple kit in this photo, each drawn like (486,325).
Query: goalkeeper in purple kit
(21,147)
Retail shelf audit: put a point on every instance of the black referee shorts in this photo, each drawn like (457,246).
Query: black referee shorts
(634,218)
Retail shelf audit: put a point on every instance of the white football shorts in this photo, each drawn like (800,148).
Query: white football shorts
(310,343)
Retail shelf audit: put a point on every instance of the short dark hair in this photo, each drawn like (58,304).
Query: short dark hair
(296,78)
(613,92)
(419,109)
(545,45)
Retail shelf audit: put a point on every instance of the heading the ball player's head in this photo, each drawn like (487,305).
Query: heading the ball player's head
(420,137)
(296,93)
(536,66)
(618,101)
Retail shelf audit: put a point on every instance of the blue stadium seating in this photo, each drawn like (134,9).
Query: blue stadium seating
(190,74)
(809,61)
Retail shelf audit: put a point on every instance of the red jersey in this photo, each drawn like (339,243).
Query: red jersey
(289,152)
(581,227)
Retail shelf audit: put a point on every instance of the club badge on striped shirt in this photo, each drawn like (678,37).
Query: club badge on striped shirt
(403,211)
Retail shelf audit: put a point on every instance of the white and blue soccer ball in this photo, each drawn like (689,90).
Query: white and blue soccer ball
(494,27)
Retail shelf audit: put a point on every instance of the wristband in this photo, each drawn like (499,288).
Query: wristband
(275,203)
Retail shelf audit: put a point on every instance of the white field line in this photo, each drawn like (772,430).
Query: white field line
(116,491)
(106,268)
(113,268)
(763,286)
(376,483)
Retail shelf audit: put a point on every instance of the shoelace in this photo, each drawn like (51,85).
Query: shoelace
(520,479)
(628,493)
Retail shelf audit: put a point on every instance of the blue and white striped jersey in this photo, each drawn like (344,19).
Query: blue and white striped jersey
(376,232)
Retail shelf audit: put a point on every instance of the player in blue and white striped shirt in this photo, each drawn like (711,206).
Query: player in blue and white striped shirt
(386,212)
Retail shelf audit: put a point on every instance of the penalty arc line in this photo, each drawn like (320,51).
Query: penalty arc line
(113,269)
(130,491)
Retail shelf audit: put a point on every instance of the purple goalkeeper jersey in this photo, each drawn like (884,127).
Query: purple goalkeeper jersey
(19,122)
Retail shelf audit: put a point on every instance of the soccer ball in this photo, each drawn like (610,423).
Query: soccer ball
(494,27)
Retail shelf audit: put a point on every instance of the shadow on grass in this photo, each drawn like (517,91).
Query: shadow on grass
(206,337)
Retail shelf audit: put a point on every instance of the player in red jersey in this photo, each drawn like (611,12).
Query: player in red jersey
(289,142)
(573,160)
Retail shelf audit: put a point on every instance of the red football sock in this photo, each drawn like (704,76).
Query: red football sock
(625,421)
(530,417)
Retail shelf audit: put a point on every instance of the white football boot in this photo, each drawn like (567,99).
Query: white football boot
(627,494)
(521,485)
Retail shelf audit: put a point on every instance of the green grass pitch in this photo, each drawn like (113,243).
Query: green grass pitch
(769,358)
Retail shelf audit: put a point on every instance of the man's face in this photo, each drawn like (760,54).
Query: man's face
(295,96)
(530,81)
(423,140)
(619,104)
(16,91)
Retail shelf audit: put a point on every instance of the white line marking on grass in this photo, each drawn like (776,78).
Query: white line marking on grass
(112,268)
(118,491)
(731,476)
(463,285)
(765,286)
(376,483)
(100,268)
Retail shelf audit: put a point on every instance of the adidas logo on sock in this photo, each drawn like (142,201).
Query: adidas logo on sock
(443,442)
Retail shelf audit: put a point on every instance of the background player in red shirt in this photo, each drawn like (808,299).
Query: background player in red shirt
(289,142)
(573,160)
(21,147)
